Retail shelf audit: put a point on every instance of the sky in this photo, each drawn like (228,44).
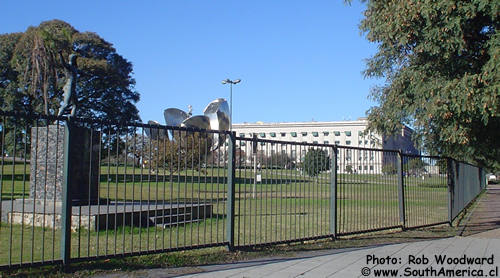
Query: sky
(298,60)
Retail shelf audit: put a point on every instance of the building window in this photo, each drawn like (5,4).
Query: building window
(243,143)
(283,134)
(315,142)
(242,134)
(348,133)
(294,134)
(347,142)
(273,134)
(337,142)
(326,142)
(262,143)
(315,134)
(371,167)
(360,142)
(359,167)
(304,133)
(326,133)
(262,134)
(337,133)
(360,133)
(365,167)
(251,134)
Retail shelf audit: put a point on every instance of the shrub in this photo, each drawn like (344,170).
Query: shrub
(316,161)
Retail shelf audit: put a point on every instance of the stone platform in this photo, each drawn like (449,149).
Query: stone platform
(106,216)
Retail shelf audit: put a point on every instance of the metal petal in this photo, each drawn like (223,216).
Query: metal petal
(199,121)
(218,113)
(174,116)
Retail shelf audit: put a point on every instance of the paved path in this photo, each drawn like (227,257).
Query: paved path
(351,263)
(407,258)
(485,218)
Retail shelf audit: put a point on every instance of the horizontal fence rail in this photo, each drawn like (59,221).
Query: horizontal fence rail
(83,189)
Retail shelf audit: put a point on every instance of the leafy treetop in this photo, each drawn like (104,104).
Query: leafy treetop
(440,61)
(32,76)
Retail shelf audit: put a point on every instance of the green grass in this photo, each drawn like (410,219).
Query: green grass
(286,205)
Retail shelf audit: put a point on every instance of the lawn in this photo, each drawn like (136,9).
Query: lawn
(285,205)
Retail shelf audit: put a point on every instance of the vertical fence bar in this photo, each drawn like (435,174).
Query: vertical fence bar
(333,194)
(401,190)
(66,195)
(230,190)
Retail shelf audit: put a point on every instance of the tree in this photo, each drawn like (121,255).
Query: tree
(348,169)
(31,73)
(389,169)
(416,165)
(442,165)
(189,150)
(440,61)
(274,160)
(316,161)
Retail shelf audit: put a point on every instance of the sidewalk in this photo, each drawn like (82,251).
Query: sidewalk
(483,241)
(484,220)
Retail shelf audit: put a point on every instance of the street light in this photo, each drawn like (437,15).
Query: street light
(231,82)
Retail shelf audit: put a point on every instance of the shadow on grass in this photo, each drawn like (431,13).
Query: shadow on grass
(129,178)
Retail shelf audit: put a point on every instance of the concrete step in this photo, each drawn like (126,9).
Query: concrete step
(166,225)
(170,218)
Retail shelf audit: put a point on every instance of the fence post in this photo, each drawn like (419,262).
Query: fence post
(401,191)
(66,194)
(254,154)
(482,179)
(333,194)
(230,190)
(451,188)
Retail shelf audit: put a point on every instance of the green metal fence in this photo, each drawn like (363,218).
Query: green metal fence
(466,182)
(80,189)
(425,190)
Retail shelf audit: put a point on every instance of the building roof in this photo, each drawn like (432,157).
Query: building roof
(359,122)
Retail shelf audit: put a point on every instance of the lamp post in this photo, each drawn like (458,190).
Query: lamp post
(231,82)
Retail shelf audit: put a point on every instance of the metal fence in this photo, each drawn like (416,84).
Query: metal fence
(466,182)
(425,190)
(367,193)
(277,199)
(73,190)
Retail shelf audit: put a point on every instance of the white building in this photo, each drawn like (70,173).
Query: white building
(351,134)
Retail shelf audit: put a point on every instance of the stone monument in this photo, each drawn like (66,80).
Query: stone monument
(47,150)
